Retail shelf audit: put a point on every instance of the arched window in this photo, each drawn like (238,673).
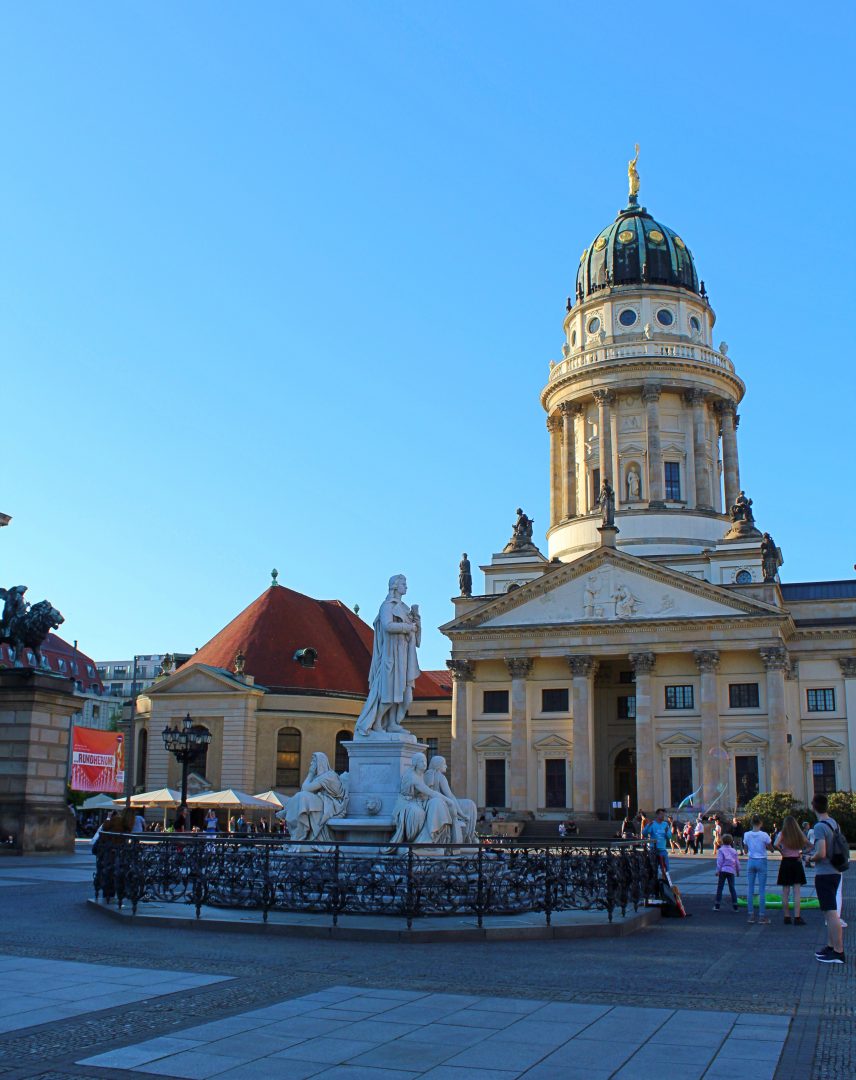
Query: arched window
(288,758)
(341,753)
(142,757)
(199,762)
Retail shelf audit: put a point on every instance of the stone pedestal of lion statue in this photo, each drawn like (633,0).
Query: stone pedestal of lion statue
(35,712)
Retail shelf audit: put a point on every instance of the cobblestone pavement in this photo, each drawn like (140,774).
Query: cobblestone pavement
(712,961)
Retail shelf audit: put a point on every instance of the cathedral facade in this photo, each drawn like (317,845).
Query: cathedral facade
(653,653)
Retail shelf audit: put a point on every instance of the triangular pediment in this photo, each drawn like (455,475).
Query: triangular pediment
(822,743)
(200,679)
(493,742)
(552,742)
(745,740)
(679,740)
(609,586)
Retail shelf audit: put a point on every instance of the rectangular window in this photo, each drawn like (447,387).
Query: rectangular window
(680,779)
(555,782)
(433,748)
(554,700)
(627,707)
(743,695)
(494,782)
(679,697)
(495,701)
(625,677)
(595,488)
(673,480)
(821,700)
(432,712)
(747,778)
(823,773)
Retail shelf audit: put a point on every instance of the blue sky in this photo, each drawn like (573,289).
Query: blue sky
(280,283)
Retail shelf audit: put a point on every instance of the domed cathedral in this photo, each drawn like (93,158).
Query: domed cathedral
(653,653)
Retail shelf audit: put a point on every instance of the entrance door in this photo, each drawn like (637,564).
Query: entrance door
(624,785)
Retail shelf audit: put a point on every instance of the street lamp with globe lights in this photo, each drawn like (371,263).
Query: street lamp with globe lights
(185,742)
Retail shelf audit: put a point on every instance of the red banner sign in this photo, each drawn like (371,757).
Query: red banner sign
(97,760)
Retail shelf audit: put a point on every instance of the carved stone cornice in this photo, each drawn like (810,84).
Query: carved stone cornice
(643,663)
(604,397)
(581,665)
(461,670)
(848,666)
(651,392)
(706,659)
(775,658)
(519,667)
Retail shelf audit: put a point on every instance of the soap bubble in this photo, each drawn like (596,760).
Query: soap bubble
(718,754)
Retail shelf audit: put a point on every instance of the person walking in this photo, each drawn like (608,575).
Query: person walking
(698,836)
(757,844)
(660,831)
(826,881)
(688,837)
(791,842)
(727,869)
(736,831)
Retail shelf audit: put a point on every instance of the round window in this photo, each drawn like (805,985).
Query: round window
(743,577)
(665,317)
(594,325)
(626,236)
(627,317)
(695,324)
(656,236)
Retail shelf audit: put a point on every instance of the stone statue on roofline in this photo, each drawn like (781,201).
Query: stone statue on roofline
(771,558)
(465,576)
(394,667)
(742,519)
(521,534)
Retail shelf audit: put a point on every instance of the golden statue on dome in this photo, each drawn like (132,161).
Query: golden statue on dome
(633,175)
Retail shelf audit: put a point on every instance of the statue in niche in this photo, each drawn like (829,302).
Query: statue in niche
(394,668)
(632,485)
(625,602)
(465,577)
(464,819)
(322,796)
(422,815)
(770,558)
(742,509)
(607,504)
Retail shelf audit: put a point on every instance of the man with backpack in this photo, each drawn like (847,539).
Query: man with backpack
(831,859)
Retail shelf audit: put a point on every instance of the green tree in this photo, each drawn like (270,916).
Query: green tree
(773,807)
(842,807)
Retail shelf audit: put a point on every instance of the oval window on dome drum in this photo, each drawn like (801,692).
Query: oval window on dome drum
(656,236)
(744,577)
(627,317)
(626,236)
(665,317)
(594,325)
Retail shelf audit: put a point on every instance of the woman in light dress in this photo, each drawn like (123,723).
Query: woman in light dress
(422,815)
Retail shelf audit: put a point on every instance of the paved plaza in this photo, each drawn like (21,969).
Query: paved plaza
(709,997)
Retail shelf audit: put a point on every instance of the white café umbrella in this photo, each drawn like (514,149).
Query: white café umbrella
(99,802)
(276,802)
(162,797)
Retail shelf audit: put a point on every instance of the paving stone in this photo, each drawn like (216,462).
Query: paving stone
(328,1049)
(358,1072)
(447,1072)
(447,1035)
(274,1069)
(192,1064)
(498,1055)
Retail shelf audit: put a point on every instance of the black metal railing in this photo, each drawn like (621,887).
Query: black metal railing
(411,881)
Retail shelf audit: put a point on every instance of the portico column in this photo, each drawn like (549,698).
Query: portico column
(643,665)
(730,464)
(656,478)
(582,669)
(463,673)
(604,399)
(569,412)
(519,668)
(707,663)
(775,660)
(704,499)
(848,670)
(554,426)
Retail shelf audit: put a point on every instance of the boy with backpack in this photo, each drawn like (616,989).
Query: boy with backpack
(831,859)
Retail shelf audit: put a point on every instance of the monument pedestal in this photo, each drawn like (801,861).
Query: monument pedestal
(35,712)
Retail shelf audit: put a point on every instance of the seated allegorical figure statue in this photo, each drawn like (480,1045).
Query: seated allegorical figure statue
(322,796)
(422,815)
(464,819)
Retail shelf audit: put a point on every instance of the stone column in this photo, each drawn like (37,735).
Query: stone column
(707,662)
(701,457)
(643,665)
(656,476)
(730,466)
(569,413)
(775,660)
(554,426)
(848,670)
(519,668)
(604,399)
(582,669)
(463,673)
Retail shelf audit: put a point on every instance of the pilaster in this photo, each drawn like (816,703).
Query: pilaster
(461,774)
(775,660)
(605,400)
(519,668)
(848,670)
(643,665)
(701,457)
(656,476)
(554,426)
(569,413)
(583,669)
(707,662)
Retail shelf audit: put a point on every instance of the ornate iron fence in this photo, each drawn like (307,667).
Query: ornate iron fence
(345,878)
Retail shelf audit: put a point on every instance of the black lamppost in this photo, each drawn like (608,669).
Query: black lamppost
(185,742)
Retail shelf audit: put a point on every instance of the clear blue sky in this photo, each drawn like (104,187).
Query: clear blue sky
(279,283)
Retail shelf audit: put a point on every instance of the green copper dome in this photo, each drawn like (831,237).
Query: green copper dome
(636,250)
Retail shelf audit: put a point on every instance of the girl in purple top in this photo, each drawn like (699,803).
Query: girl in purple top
(727,868)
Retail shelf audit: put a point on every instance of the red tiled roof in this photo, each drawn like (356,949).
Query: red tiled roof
(442,680)
(271,630)
(53,650)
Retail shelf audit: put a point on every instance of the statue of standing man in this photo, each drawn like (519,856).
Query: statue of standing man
(394,668)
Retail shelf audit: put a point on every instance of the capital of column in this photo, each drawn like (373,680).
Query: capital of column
(848,666)
(519,667)
(570,408)
(461,670)
(695,397)
(651,392)
(775,658)
(581,665)
(604,397)
(725,407)
(706,659)
(643,663)
(554,423)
